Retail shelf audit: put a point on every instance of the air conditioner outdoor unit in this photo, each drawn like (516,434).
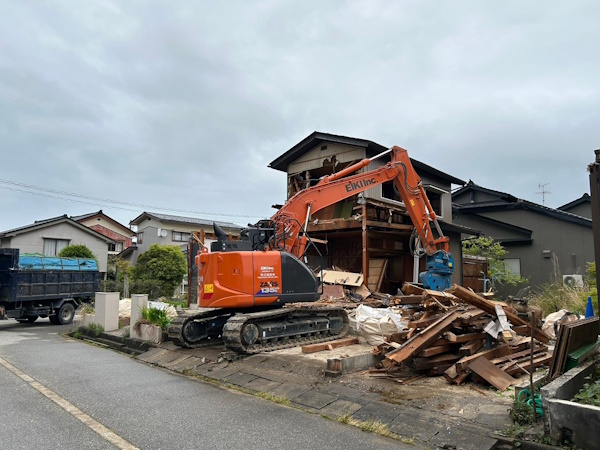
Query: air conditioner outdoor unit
(573,280)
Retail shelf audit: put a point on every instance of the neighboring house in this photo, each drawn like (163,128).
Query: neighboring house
(100,222)
(166,229)
(367,233)
(50,236)
(581,207)
(535,236)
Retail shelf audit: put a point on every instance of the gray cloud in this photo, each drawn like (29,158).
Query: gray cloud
(184,104)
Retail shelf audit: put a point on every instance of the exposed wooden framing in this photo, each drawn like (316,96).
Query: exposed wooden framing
(389,226)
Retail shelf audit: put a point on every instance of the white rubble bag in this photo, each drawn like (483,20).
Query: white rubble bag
(553,321)
(375,324)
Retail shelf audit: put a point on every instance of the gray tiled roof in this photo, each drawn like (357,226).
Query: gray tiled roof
(187,220)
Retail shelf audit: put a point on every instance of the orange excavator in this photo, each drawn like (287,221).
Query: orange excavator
(242,285)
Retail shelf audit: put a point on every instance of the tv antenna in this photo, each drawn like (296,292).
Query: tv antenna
(543,192)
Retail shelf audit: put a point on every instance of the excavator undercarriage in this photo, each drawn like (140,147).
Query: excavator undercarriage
(256,332)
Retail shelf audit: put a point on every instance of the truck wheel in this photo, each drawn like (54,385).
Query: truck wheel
(65,314)
(53,319)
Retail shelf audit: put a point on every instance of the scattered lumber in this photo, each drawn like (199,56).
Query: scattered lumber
(490,307)
(490,373)
(312,348)
(430,334)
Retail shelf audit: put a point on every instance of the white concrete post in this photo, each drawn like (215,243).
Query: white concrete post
(107,310)
(138,301)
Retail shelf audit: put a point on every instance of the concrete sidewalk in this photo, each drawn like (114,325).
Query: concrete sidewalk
(428,410)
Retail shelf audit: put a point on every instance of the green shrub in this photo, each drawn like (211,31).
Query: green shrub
(76,251)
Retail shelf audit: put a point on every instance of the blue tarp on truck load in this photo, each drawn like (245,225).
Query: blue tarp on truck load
(34,262)
(55,280)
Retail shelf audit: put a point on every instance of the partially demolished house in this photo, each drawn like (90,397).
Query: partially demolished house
(368,233)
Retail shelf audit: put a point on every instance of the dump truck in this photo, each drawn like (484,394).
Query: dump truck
(33,286)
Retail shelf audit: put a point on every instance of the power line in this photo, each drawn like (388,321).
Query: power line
(98,201)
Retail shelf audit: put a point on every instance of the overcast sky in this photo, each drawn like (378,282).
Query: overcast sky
(184,104)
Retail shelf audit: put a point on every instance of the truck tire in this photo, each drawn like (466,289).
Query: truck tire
(65,314)
(53,319)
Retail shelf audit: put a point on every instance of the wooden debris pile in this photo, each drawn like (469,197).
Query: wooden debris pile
(460,334)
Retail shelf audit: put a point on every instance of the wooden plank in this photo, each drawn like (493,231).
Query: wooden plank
(422,340)
(490,373)
(470,348)
(472,314)
(412,289)
(407,300)
(435,361)
(312,348)
(501,350)
(345,278)
(423,322)
(436,350)
(541,360)
(488,306)
(460,338)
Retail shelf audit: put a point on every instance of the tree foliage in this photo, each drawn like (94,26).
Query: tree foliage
(159,271)
(76,251)
(498,270)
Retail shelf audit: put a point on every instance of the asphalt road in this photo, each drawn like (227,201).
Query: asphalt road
(140,406)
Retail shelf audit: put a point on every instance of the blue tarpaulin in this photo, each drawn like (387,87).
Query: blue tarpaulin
(32,262)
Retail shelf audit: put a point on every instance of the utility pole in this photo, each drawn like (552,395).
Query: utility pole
(594,170)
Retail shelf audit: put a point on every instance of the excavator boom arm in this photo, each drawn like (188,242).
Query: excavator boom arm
(293,217)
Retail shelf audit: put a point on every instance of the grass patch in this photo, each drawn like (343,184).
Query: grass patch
(373,426)
(77,334)
(96,329)
(274,398)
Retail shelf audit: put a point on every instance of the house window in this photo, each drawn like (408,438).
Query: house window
(53,246)
(180,237)
(513,265)
(140,237)
(116,247)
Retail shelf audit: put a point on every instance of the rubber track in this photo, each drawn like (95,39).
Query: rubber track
(175,331)
(232,332)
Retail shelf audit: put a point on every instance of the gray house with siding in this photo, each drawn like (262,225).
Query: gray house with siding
(535,236)
(49,236)
(167,229)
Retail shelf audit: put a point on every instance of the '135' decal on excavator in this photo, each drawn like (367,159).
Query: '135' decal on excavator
(269,287)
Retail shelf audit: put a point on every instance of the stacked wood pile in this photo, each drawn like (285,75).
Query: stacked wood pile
(448,335)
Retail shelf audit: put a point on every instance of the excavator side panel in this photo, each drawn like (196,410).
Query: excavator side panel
(225,280)
(236,280)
